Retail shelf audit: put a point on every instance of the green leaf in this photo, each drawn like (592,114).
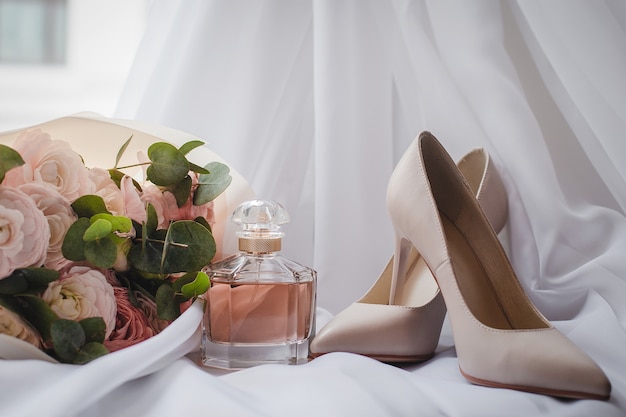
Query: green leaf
(117,175)
(100,228)
(13,284)
(167,306)
(197,287)
(190,146)
(120,153)
(73,247)
(89,352)
(89,205)
(27,280)
(118,223)
(213,184)
(203,222)
(196,168)
(189,246)
(101,253)
(67,339)
(9,159)
(146,257)
(152,221)
(94,328)
(169,165)
(181,190)
(38,313)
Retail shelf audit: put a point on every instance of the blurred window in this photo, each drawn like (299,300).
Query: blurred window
(33,31)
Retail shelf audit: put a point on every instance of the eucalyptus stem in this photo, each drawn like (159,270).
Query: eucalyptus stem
(134,165)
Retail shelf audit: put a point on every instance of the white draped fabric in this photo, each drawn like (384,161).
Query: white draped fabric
(314,102)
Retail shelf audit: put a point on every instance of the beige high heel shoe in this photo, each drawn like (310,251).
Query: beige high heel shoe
(400,320)
(501,339)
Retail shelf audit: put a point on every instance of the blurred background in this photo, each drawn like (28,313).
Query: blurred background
(59,57)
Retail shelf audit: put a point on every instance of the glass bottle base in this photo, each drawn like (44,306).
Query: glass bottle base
(246,355)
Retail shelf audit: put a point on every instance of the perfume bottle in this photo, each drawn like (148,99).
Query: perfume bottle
(261,305)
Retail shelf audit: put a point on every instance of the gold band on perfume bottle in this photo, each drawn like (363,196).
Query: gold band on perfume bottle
(259,245)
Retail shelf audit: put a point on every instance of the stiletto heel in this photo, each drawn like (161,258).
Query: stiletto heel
(501,339)
(400,318)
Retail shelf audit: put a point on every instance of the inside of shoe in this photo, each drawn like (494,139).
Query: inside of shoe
(484,275)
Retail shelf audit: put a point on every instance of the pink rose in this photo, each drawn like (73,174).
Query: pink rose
(24,232)
(52,162)
(82,292)
(131,324)
(58,213)
(11,324)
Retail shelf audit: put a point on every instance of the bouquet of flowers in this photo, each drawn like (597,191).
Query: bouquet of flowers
(93,260)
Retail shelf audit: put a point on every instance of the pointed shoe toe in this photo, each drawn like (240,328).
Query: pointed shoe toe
(541,361)
(399,319)
(501,339)
(384,332)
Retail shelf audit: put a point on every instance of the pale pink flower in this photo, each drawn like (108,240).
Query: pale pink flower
(131,324)
(106,188)
(134,208)
(52,162)
(160,200)
(168,211)
(59,215)
(24,232)
(80,293)
(12,324)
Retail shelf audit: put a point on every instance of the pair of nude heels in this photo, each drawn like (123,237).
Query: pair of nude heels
(448,259)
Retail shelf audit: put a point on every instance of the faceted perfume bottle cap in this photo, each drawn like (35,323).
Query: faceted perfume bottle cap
(260,222)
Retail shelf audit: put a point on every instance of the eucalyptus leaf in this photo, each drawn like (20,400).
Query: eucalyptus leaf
(89,352)
(39,278)
(13,284)
(9,159)
(197,168)
(120,153)
(181,190)
(38,313)
(189,246)
(67,339)
(100,228)
(89,205)
(203,222)
(190,146)
(117,175)
(118,223)
(32,280)
(213,184)
(146,257)
(167,306)
(169,165)
(152,221)
(94,328)
(197,287)
(73,247)
(101,253)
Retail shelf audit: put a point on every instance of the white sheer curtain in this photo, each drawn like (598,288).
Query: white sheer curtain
(314,101)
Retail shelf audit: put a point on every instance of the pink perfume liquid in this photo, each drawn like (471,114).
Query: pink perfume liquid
(260,313)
